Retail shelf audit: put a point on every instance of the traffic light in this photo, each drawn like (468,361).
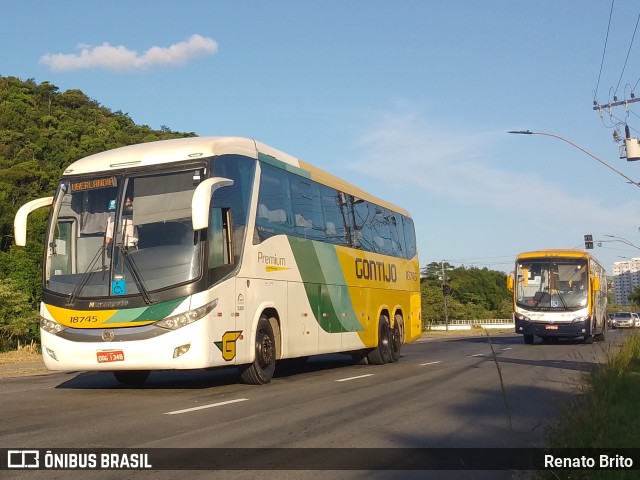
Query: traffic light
(588,242)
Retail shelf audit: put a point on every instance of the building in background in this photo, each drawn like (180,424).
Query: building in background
(626,277)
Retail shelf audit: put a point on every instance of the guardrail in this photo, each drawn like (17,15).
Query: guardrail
(468,324)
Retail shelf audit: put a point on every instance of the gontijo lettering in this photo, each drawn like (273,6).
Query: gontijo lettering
(372,270)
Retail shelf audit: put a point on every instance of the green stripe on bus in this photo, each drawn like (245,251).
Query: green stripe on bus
(263,157)
(145,314)
(325,285)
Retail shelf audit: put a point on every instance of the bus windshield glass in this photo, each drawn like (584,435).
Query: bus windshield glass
(117,235)
(552,284)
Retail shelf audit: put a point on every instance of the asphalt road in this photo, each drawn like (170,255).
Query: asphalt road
(444,392)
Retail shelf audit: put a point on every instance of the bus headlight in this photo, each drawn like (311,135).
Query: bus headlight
(51,326)
(180,320)
(580,319)
(520,317)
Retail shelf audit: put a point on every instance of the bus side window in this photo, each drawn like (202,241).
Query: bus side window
(275,215)
(220,247)
(363,213)
(335,222)
(410,238)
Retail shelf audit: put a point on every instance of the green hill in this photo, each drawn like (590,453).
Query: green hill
(42,130)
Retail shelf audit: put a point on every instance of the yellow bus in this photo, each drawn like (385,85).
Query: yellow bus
(559,293)
(216,251)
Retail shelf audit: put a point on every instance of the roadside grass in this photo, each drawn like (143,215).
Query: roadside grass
(604,416)
(22,354)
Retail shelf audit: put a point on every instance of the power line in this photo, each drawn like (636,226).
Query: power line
(628,53)
(604,50)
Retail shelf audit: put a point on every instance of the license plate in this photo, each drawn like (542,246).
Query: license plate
(551,327)
(111,356)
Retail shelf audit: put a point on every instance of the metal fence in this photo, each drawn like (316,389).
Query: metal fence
(480,321)
(487,323)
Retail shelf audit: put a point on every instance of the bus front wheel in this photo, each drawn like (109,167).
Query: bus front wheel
(382,353)
(260,372)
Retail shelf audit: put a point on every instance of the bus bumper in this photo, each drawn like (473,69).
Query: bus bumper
(546,329)
(185,348)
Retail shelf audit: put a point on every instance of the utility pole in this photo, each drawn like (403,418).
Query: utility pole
(630,148)
(615,103)
(444,296)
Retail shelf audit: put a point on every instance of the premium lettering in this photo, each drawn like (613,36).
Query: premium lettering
(271,260)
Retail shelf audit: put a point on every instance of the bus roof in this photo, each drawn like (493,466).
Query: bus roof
(183,149)
(557,253)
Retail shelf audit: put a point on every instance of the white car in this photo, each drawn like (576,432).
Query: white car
(637,317)
(623,320)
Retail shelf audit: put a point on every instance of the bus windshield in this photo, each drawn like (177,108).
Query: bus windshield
(117,235)
(551,284)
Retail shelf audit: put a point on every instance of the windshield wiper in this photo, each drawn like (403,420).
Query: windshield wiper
(137,276)
(564,304)
(87,274)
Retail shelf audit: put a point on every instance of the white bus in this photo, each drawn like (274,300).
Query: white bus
(559,293)
(216,251)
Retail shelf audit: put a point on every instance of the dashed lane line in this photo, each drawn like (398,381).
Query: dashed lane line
(202,407)
(354,378)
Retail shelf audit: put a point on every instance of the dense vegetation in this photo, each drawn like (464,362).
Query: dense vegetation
(603,419)
(42,130)
(473,293)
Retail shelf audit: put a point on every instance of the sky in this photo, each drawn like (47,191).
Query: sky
(409,99)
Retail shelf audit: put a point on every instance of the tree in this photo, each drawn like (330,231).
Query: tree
(634,297)
(41,132)
(475,293)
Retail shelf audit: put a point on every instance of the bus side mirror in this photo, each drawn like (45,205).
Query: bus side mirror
(20,220)
(510,282)
(201,200)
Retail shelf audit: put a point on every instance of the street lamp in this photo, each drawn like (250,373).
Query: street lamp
(529,132)
(623,240)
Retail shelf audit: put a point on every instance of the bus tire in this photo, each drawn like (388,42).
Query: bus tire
(131,378)
(382,353)
(260,372)
(528,339)
(397,338)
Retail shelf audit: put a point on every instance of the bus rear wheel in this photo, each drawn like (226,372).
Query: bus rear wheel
(260,372)
(397,338)
(382,353)
(131,378)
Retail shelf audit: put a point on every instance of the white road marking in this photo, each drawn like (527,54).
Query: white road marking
(354,378)
(476,355)
(202,407)
(430,363)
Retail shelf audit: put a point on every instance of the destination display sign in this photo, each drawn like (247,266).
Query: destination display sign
(93,184)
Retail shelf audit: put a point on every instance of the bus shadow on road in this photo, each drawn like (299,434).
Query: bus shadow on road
(160,379)
(205,378)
